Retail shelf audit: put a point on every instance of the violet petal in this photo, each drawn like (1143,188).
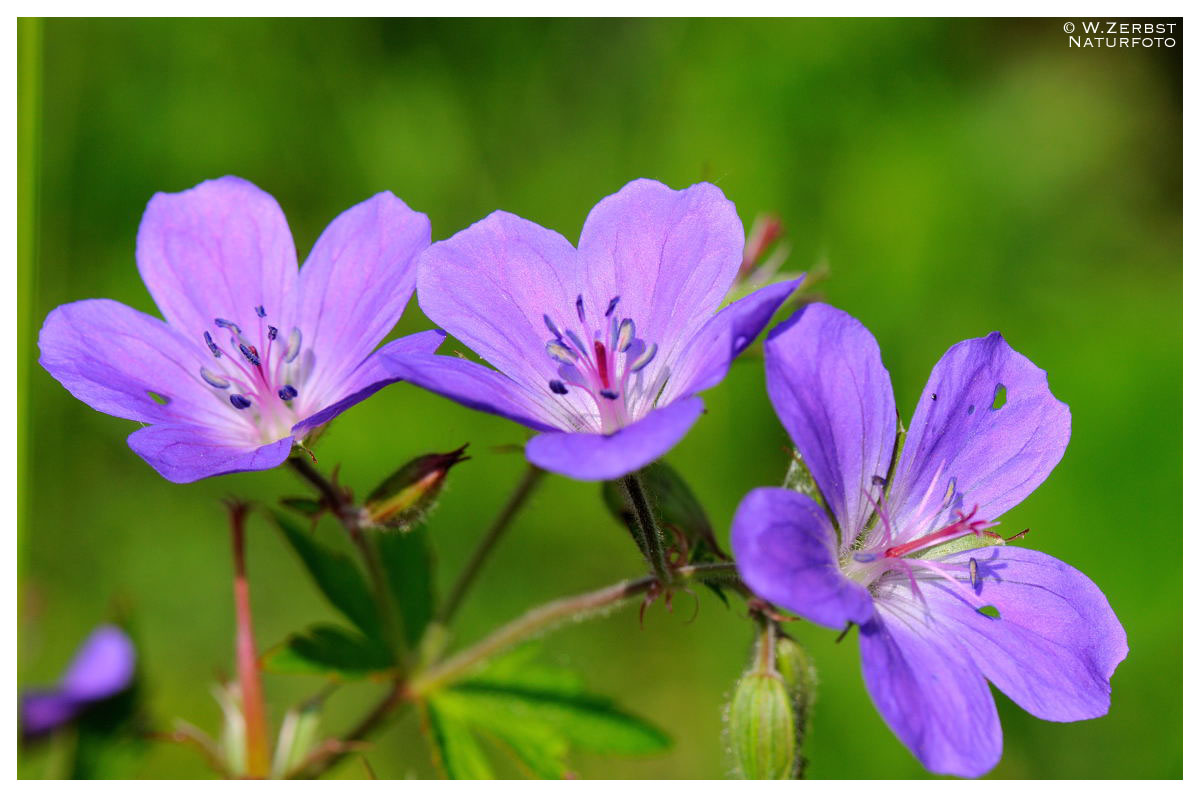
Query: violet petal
(669,255)
(1056,642)
(183,454)
(596,457)
(217,250)
(708,355)
(111,357)
(355,284)
(786,552)
(929,692)
(990,458)
(833,395)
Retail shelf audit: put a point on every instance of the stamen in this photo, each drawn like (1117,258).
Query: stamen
(579,309)
(221,322)
(577,341)
(556,386)
(644,360)
(293,345)
(272,333)
(287,392)
(611,395)
(239,401)
(625,335)
(550,326)
(612,305)
(216,351)
(215,380)
(249,353)
(974,567)
(865,558)
(560,352)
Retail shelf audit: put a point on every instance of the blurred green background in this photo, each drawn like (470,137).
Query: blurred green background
(956,176)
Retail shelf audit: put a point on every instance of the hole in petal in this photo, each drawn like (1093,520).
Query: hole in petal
(999,397)
(989,611)
(158,398)
(971,410)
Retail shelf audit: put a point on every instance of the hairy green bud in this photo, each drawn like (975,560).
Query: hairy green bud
(402,499)
(762,728)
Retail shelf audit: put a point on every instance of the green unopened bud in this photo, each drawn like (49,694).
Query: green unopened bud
(800,676)
(762,728)
(297,736)
(675,505)
(404,498)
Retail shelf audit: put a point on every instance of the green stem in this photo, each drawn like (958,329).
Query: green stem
(29,124)
(539,619)
(651,534)
(531,478)
(254,712)
(349,516)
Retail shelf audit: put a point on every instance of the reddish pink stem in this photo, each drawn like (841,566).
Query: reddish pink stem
(258,755)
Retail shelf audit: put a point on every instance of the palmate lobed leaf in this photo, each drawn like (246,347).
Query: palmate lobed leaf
(329,650)
(456,752)
(589,722)
(335,574)
(535,713)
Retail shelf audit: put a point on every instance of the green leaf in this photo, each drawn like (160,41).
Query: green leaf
(336,575)
(538,713)
(538,747)
(329,650)
(590,722)
(456,751)
(408,562)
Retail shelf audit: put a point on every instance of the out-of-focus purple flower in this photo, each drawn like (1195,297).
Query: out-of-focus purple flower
(253,354)
(103,667)
(603,347)
(943,606)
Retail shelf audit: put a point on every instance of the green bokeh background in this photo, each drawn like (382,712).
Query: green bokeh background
(956,176)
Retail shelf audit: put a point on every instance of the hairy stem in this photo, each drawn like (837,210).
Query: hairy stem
(531,478)
(651,534)
(534,621)
(258,747)
(577,607)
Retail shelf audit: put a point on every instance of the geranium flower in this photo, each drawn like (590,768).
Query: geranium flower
(253,356)
(102,668)
(941,611)
(601,348)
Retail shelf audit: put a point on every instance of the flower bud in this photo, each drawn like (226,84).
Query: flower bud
(403,499)
(297,736)
(762,728)
(800,677)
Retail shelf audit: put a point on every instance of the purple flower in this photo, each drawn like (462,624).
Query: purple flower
(253,355)
(601,348)
(943,606)
(103,667)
